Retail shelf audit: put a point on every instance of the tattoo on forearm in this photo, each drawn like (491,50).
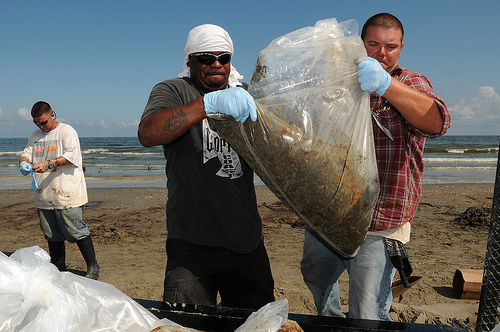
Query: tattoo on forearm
(176,121)
(58,162)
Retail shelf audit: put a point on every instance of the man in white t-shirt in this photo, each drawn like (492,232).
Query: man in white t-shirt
(54,158)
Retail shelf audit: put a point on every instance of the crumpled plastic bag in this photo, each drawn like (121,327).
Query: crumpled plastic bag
(269,318)
(35,296)
(312,144)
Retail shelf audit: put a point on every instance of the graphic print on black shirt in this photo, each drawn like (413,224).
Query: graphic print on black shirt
(216,146)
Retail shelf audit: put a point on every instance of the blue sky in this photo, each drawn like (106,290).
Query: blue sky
(95,62)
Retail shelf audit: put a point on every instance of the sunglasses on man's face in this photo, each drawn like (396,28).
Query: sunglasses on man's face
(43,123)
(208,58)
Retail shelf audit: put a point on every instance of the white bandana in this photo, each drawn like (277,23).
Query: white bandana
(209,38)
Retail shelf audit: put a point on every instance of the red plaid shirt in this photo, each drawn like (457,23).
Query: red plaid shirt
(400,162)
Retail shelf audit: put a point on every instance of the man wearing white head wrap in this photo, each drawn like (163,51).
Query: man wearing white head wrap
(209,37)
(214,243)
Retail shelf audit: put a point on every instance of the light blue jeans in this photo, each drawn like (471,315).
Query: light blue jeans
(63,224)
(370,278)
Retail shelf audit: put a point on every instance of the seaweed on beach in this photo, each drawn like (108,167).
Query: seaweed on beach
(474,217)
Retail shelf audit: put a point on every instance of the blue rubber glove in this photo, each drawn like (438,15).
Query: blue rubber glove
(34,185)
(235,102)
(372,77)
(25,168)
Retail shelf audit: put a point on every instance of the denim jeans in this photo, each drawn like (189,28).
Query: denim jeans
(370,277)
(63,224)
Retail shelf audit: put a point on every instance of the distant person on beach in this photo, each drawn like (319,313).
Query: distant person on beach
(405,111)
(53,155)
(214,242)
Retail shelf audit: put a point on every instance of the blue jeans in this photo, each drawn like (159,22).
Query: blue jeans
(370,278)
(63,224)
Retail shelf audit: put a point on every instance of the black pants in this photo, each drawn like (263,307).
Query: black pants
(195,274)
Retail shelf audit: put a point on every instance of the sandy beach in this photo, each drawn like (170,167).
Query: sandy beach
(128,226)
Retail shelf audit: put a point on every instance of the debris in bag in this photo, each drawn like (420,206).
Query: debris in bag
(35,296)
(312,144)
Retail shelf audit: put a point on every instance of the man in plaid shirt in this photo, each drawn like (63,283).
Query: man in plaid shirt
(405,111)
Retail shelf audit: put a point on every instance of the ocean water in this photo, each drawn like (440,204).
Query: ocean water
(461,159)
(108,162)
(124,162)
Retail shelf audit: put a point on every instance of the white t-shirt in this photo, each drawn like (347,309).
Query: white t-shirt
(402,233)
(64,186)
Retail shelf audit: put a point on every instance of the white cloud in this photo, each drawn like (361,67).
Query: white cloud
(103,124)
(134,124)
(24,114)
(478,115)
(115,125)
(105,129)
(19,124)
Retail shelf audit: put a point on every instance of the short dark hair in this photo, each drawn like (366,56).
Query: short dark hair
(384,20)
(40,108)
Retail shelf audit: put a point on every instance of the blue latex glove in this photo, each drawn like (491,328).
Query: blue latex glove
(25,168)
(235,102)
(34,185)
(373,77)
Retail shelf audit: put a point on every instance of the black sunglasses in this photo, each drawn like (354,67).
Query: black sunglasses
(43,123)
(208,58)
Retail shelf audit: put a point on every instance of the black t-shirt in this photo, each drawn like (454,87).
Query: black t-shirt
(211,194)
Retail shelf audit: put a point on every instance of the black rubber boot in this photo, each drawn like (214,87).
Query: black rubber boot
(88,253)
(57,254)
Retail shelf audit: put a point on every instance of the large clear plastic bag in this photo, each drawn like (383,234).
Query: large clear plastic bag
(35,296)
(312,144)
